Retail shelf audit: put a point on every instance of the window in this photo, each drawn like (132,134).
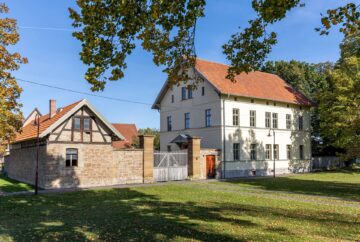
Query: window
(87,124)
(252,118)
(236,151)
(301,152)
(187,120)
(236,117)
(275,120)
(190,92)
(267,119)
(208,117)
(301,122)
(203,91)
(77,123)
(172,98)
(183,93)
(253,152)
(169,123)
(71,157)
(288,151)
(288,121)
(169,148)
(268,152)
(276,152)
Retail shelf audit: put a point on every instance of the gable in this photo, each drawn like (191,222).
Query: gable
(48,125)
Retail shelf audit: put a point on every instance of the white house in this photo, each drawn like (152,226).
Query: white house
(257,118)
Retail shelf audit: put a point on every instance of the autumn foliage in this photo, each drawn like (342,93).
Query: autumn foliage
(10,113)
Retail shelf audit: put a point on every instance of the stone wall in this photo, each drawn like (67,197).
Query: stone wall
(98,165)
(20,165)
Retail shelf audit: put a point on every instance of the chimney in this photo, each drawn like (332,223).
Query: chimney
(52,108)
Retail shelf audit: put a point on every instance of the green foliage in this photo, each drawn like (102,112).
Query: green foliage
(10,113)
(149,131)
(347,16)
(340,104)
(110,30)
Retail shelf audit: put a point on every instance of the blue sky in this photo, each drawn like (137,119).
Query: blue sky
(54,60)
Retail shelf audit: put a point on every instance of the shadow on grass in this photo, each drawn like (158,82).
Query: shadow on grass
(10,185)
(344,190)
(125,214)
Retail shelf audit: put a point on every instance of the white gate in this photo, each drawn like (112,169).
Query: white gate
(170,166)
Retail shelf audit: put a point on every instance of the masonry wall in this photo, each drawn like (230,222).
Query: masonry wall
(21,164)
(98,165)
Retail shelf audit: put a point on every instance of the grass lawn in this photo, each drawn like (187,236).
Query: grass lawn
(211,211)
(9,185)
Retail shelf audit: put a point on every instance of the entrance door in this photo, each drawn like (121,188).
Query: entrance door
(210,166)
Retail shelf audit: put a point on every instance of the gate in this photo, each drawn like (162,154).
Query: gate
(170,166)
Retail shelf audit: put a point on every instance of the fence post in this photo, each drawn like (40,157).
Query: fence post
(147,144)
(194,158)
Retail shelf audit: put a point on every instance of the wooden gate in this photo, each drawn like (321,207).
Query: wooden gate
(170,166)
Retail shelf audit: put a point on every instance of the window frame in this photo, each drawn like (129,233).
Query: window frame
(89,128)
(268,152)
(288,121)
(236,117)
(189,92)
(169,123)
(208,117)
(236,151)
(74,123)
(288,152)
(187,120)
(71,162)
(276,151)
(183,93)
(301,122)
(253,152)
(267,119)
(252,118)
(275,122)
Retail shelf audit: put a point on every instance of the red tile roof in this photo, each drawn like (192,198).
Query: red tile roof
(255,84)
(129,131)
(30,130)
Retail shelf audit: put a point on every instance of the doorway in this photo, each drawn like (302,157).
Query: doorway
(210,166)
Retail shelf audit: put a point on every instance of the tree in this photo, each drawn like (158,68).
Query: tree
(148,131)
(109,31)
(340,104)
(10,113)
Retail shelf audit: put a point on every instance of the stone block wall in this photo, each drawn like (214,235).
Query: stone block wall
(98,165)
(21,164)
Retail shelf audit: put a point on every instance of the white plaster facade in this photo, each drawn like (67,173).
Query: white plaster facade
(222,133)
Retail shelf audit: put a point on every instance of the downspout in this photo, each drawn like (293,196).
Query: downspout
(224,144)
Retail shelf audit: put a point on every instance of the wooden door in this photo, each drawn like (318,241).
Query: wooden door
(210,166)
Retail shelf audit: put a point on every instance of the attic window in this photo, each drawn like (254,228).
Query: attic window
(87,124)
(77,123)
